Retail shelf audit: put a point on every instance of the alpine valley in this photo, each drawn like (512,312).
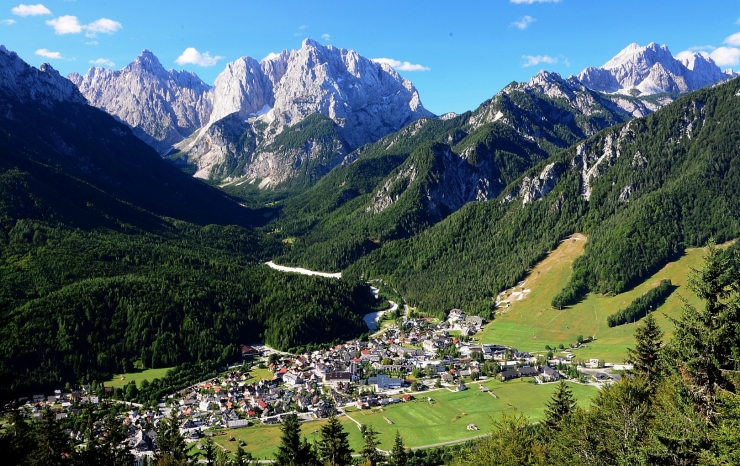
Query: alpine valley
(138,206)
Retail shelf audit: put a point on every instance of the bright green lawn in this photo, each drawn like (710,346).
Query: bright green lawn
(138,377)
(530,324)
(421,423)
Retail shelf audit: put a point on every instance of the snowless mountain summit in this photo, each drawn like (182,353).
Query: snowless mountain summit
(363,100)
(162,107)
(25,83)
(651,69)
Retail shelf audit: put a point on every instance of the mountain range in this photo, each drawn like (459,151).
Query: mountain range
(98,231)
(231,132)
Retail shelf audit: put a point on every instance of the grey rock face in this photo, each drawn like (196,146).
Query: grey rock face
(43,85)
(651,70)
(162,107)
(364,100)
(534,188)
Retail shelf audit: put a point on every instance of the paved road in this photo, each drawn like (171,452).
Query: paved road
(300,270)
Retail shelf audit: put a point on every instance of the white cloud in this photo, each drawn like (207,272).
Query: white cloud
(726,56)
(192,57)
(401,65)
(7,22)
(326,37)
(270,56)
(529,2)
(103,62)
(71,25)
(102,26)
(30,10)
(49,54)
(523,22)
(302,27)
(531,60)
(65,25)
(733,39)
(687,54)
(92,42)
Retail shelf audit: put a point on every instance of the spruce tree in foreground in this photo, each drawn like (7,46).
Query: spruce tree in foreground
(560,406)
(292,451)
(334,447)
(706,341)
(398,453)
(171,443)
(370,447)
(645,357)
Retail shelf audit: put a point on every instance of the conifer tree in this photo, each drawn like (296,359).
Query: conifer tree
(370,447)
(334,447)
(645,357)
(560,406)
(398,452)
(52,444)
(289,451)
(171,443)
(706,342)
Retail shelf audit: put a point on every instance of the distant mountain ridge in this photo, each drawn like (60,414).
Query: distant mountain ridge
(651,69)
(162,107)
(232,129)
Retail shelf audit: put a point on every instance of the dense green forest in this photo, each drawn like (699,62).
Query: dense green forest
(679,167)
(109,255)
(335,222)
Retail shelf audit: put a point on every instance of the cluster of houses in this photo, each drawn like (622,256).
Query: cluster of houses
(315,385)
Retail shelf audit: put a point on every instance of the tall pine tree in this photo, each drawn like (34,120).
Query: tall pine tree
(292,451)
(398,452)
(560,406)
(706,342)
(645,357)
(334,447)
(370,446)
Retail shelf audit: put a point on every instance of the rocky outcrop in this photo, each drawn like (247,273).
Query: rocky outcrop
(533,188)
(162,107)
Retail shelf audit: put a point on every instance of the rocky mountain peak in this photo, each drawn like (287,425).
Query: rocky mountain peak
(363,99)
(162,107)
(651,69)
(25,83)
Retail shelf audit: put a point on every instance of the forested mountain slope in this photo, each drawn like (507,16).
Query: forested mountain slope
(110,255)
(412,179)
(641,191)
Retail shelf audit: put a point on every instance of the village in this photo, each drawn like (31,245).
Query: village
(399,363)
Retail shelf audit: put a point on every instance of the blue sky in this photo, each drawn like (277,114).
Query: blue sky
(457,53)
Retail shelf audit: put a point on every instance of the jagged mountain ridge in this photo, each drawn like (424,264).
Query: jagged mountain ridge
(162,107)
(364,100)
(229,131)
(412,179)
(81,166)
(649,70)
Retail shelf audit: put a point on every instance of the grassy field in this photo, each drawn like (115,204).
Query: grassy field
(420,422)
(119,380)
(530,323)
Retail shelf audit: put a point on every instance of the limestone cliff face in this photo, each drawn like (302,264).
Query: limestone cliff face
(162,107)
(650,70)
(361,100)
(43,85)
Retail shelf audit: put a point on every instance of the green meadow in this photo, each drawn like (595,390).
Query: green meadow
(119,380)
(421,422)
(530,323)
